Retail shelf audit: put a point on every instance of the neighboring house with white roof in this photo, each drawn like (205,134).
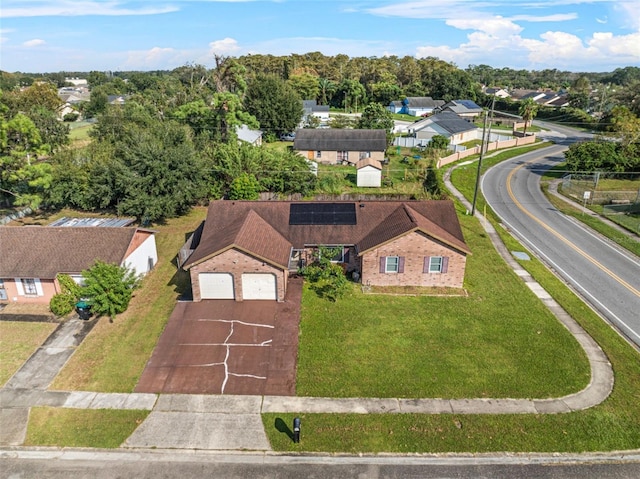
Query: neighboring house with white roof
(246,134)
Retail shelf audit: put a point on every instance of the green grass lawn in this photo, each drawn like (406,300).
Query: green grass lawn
(500,341)
(101,428)
(18,341)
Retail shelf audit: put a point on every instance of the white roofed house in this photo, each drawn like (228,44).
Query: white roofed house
(246,134)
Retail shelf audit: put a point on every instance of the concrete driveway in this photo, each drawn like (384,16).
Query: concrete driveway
(228,347)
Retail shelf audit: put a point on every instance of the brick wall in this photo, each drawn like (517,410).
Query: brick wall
(414,247)
(235,262)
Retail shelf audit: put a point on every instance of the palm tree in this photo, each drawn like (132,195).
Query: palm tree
(528,110)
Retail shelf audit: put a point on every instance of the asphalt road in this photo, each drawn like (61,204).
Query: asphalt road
(76,464)
(605,275)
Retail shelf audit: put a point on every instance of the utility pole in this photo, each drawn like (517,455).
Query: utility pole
(482,151)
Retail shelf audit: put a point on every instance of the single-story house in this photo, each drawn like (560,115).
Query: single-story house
(246,134)
(464,108)
(32,256)
(246,250)
(310,108)
(415,105)
(369,173)
(497,92)
(340,146)
(447,124)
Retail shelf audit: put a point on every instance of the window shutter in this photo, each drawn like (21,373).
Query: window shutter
(346,256)
(425,264)
(39,290)
(445,264)
(383,263)
(19,287)
(401,264)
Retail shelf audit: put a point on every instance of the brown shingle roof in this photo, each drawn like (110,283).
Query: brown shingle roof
(43,252)
(249,233)
(368,162)
(262,227)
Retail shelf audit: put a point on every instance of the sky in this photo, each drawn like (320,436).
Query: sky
(39,36)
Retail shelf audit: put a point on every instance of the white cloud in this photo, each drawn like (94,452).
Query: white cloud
(628,11)
(226,46)
(493,26)
(72,8)
(36,42)
(559,17)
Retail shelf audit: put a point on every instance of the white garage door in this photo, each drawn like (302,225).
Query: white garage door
(259,286)
(216,286)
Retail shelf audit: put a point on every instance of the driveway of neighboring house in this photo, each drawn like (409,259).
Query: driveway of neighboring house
(228,347)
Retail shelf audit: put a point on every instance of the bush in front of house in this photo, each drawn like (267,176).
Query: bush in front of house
(62,304)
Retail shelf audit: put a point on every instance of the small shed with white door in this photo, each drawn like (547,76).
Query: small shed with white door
(369,173)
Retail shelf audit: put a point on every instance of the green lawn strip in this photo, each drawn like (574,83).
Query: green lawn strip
(595,223)
(99,428)
(18,341)
(500,341)
(113,356)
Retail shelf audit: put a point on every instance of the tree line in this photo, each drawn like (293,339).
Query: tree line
(174,142)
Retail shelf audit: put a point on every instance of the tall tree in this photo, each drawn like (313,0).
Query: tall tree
(528,109)
(276,106)
(377,117)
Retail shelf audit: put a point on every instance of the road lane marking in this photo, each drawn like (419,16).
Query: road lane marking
(562,238)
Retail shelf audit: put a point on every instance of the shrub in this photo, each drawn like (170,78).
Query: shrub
(62,304)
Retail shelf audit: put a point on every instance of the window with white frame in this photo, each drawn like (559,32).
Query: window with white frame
(29,286)
(318,155)
(392,264)
(3,291)
(365,154)
(343,156)
(436,264)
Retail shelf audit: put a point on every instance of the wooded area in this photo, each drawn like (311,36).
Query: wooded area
(173,143)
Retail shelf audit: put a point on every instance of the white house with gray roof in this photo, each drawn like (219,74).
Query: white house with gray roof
(447,124)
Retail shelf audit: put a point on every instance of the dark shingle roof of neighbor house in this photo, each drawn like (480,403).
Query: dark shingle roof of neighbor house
(43,252)
(263,229)
(422,102)
(334,139)
(447,120)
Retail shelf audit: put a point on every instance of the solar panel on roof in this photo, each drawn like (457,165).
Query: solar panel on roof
(322,214)
(468,104)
